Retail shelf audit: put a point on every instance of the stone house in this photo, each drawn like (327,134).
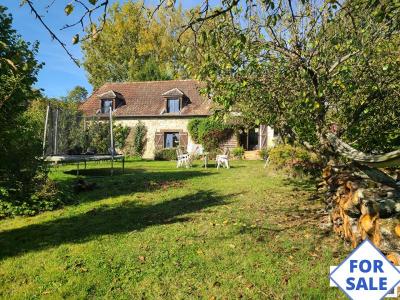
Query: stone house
(165,108)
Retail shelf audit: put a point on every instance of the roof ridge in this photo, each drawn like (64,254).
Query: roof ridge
(149,81)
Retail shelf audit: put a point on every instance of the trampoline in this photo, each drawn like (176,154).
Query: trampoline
(67,133)
(60,159)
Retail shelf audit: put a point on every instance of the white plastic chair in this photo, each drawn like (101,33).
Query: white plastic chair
(223,159)
(183,159)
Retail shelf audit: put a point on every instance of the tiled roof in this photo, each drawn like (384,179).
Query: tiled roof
(109,95)
(147,98)
(173,93)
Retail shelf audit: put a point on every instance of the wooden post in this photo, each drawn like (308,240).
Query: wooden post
(112,143)
(45,129)
(123,165)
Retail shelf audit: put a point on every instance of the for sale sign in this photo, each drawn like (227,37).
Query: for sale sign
(366,274)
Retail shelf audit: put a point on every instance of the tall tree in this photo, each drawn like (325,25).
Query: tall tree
(21,172)
(18,71)
(76,95)
(308,67)
(134,44)
(83,14)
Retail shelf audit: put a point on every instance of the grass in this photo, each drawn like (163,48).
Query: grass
(158,232)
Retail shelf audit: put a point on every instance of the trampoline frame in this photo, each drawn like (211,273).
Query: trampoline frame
(55,158)
(65,159)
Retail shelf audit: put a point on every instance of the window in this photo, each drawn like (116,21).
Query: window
(105,106)
(172,105)
(171,139)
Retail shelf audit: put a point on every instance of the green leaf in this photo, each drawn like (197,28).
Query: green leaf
(93,2)
(93,30)
(170,3)
(75,39)
(68,9)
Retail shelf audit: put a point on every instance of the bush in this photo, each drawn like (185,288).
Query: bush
(165,154)
(98,136)
(294,159)
(120,135)
(238,152)
(264,153)
(24,185)
(193,128)
(30,197)
(209,132)
(139,139)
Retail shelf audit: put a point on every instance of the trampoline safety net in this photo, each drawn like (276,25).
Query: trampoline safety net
(68,132)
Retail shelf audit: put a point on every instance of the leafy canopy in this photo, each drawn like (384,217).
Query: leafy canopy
(209,132)
(308,68)
(134,45)
(77,94)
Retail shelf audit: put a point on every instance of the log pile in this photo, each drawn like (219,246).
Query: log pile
(362,208)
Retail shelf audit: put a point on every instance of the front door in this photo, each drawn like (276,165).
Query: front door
(248,139)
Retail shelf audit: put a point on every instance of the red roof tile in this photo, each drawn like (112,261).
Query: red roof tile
(146,98)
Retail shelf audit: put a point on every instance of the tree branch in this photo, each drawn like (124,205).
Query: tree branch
(216,13)
(341,60)
(52,34)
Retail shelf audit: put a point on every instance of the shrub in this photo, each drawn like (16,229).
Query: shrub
(139,139)
(294,159)
(165,154)
(209,132)
(193,128)
(30,197)
(120,135)
(98,136)
(264,153)
(238,152)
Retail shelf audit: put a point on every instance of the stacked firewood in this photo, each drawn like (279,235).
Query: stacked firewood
(361,208)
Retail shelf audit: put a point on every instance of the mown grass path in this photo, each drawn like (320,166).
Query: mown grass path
(158,232)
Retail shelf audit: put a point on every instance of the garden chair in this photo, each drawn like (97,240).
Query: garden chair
(183,159)
(223,159)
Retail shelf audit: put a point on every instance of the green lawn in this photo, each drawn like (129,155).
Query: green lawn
(158,232)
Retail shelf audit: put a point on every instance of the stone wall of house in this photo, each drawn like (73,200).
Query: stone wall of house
(154,125)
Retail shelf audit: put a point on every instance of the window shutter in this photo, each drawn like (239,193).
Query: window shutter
(263,136)
(183,140)
(159,141)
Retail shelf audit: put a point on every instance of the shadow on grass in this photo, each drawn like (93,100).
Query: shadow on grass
(305,184)
(133,181)
(126,217)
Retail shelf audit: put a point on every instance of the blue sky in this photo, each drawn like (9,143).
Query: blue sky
(59,74)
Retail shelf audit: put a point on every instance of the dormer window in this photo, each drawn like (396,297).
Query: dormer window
(173,105)
(110,99)
(173,101)
(106,104)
